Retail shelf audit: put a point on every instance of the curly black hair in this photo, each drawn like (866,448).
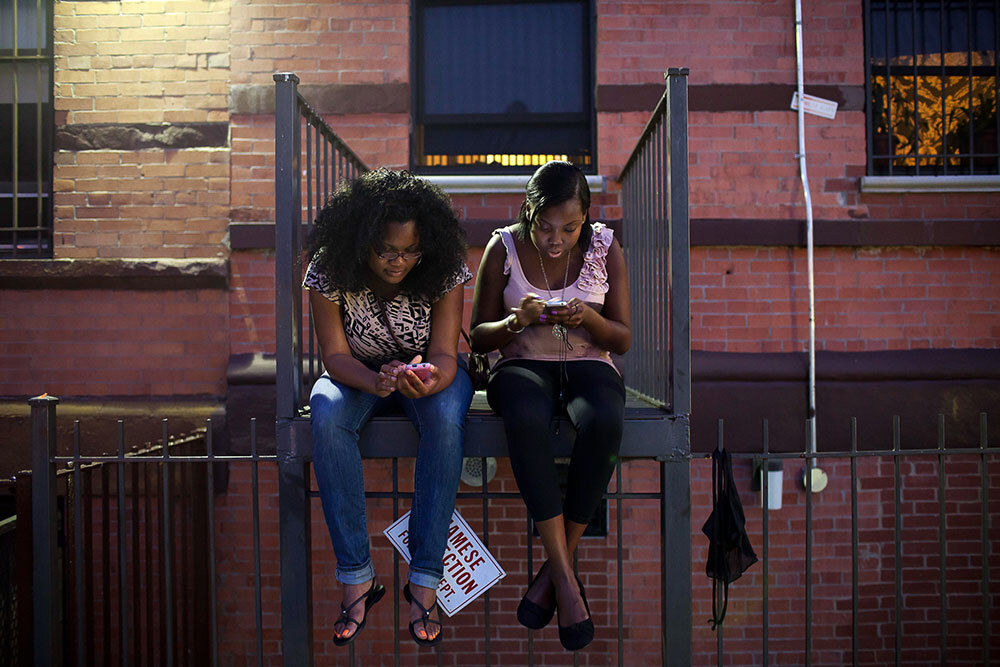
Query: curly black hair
(552,184)
(353,220)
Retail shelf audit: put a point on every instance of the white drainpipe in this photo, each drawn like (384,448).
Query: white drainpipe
(809,245)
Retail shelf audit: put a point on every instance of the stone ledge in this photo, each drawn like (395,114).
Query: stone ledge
(114,274)
(138,136)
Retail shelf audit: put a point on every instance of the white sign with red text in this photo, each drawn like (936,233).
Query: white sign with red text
(469,568)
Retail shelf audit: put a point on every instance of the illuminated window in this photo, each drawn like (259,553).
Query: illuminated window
(501,87)
(934,86)
(26,122)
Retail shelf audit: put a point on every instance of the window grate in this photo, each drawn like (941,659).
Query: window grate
(26,67)
(933,86)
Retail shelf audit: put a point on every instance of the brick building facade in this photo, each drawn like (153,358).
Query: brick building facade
(161,276)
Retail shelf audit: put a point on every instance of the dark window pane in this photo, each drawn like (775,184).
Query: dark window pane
(32,26)
(503,59)
(503,86)
(27,144)
(25,130)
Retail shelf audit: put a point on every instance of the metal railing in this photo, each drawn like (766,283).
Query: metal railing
(112,599)
(656,221)
(125,567)
(872,624)
(9,631)
(658,433)
(121,552)
(301,136)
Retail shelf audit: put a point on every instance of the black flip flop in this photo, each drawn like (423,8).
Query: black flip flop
(373,595)
(425,619)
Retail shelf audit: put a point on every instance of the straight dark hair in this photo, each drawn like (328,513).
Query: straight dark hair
(554,183)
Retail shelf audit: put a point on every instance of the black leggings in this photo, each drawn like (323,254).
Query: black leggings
(526,394)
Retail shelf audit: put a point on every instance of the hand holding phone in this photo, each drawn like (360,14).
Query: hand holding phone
(552,305)
(422,371)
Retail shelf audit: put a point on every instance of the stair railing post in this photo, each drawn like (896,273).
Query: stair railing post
(44,515)
(676,472)
(293,471)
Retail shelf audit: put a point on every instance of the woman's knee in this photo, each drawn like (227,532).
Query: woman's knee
(326,410)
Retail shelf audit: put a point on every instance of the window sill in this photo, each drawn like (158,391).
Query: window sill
(486,184)
(891,184)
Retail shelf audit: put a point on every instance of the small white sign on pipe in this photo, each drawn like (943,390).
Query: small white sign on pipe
(817,106)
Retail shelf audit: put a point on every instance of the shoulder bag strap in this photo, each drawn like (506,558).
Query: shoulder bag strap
(388,324)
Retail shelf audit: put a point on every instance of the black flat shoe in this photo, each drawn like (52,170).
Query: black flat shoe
(531,614)
(425,619)
(373,595)
(575,637)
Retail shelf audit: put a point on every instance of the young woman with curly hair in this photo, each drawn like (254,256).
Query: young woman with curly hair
(386,281)
(552,295)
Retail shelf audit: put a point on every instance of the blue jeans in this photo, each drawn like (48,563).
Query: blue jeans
(338,414)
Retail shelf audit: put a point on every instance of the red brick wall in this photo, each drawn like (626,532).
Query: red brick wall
(113,343)
(756,299)
(335,42)
(725,43)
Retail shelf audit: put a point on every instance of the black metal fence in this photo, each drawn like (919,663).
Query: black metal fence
(9,631)
(893,562)
(899,567)
(117,558)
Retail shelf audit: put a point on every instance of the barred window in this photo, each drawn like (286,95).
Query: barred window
(933,82)
(27,122)
(501,87)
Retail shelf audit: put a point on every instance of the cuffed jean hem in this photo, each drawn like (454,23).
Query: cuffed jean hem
(424,578)
(357,575)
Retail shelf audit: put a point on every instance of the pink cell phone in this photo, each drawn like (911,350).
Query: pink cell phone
(423,371)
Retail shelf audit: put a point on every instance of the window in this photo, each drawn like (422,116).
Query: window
(26,119)
(502,87)
(934,82)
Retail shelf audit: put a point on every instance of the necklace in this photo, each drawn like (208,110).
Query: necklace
(558,330)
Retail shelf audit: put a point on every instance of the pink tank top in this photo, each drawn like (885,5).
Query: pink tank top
(537,342)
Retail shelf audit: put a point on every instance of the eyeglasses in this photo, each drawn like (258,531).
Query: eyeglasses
(392,255)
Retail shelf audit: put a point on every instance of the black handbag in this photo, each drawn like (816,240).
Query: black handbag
(478,364)
(729,550)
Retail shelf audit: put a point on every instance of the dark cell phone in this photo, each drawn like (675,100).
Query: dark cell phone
(552,305)
(423,371)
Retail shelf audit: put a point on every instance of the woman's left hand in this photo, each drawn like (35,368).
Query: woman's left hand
(571,315)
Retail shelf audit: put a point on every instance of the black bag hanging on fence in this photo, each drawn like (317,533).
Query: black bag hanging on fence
(729,549)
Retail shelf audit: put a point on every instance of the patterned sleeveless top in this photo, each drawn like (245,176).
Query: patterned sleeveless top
(367,335)
(537,342)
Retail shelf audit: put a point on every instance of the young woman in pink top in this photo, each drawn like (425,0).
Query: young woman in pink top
(552,296)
